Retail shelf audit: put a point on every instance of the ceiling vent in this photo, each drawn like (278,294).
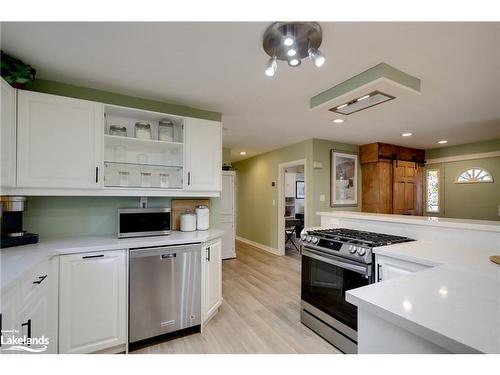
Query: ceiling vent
(366,101)
(377,85)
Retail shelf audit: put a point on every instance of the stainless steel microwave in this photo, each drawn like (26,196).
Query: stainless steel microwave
(142,222)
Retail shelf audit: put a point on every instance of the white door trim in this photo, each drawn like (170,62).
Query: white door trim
(281,200)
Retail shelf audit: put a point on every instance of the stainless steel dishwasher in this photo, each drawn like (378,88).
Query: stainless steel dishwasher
(165,287)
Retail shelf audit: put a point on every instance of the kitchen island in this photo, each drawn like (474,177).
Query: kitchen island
(438,294)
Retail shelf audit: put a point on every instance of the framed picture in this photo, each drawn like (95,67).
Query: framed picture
(344,179)
(299,189)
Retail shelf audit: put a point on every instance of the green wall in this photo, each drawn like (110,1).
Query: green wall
(469,148)
(80,216)
(257,217)
(468,201)
(72,91)
(52,217)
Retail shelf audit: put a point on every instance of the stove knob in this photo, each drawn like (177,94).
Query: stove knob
(309,238)
(303,237)
(315,240)
(361,251)
(352,249)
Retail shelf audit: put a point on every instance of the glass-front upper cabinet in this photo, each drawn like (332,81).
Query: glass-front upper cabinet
(143,149)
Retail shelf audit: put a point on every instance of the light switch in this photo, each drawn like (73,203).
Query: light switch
(322,197)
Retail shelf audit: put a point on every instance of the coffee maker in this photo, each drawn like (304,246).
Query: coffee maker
(11,214)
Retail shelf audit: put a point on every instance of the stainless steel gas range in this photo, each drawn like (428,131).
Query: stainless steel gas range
(333,262)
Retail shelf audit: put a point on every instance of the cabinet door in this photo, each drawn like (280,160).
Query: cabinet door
(92,301)
(36,319)
(213,279)
(59,142)
(290,185)
(389,268)
(8,135)
(227,195)
(228,244)
(203,155)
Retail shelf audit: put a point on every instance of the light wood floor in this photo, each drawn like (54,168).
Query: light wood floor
(260,311)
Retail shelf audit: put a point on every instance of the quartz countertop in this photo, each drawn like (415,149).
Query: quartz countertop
(455,303)
(17,260)
(479,225)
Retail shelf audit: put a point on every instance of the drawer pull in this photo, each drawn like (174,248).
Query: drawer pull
(28,324)
(40,279)
(92,256)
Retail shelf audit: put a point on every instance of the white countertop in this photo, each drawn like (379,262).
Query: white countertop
(455,304)
(17,260)
(480,225)
(451,306)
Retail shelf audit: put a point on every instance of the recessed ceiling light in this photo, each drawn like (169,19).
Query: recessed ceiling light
(243,153)
(294,62)
(363,98)
(338,121)
(288,41)
(406,134)
(291,52)
(442,141)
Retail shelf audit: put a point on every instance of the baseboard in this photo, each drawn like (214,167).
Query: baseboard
(258,245)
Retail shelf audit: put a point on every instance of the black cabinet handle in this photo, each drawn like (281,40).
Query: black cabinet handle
(379,270)
(208,254)
(28,324)
(96,175)
(168,256)
(92,256)
(189,178)
(40,279)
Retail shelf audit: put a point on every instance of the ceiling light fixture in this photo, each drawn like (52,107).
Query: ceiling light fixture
(292,42)
(366,101)
(338,121)
(363,98)
(442,141)
(406,134)
(272,66)
(243,153)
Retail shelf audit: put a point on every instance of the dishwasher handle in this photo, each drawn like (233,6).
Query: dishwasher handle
(163,252)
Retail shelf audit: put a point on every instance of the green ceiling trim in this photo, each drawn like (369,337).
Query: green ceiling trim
(381,70)
(78,92)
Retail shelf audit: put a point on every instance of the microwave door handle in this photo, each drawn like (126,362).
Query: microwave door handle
(348,266)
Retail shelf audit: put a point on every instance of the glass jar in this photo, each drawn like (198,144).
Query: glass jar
(118,130)
(123,178)
(164,180)
(142,130)
(145,179)
(166,131)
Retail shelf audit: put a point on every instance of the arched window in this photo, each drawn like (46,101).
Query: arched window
(470,175)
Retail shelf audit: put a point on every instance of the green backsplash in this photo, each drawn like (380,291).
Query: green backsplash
(82,216)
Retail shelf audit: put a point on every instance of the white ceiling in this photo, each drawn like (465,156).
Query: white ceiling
(220,67)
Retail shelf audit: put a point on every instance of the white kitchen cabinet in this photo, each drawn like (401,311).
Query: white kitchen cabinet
(212,279)
(92,302)
(203,155)
(59,142)
(8,135)
(227,214)
(290,185)
(29,309)
(389,268)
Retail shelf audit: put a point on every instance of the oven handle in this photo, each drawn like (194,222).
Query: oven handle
(352,267)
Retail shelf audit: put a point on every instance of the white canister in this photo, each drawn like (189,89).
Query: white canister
(188,221)
(202,217)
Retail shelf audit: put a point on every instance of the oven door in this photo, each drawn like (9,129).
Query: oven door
(326,278)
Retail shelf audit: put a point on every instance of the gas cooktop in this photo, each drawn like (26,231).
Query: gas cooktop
(349,243)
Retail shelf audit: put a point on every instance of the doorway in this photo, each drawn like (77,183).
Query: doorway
(292,177)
